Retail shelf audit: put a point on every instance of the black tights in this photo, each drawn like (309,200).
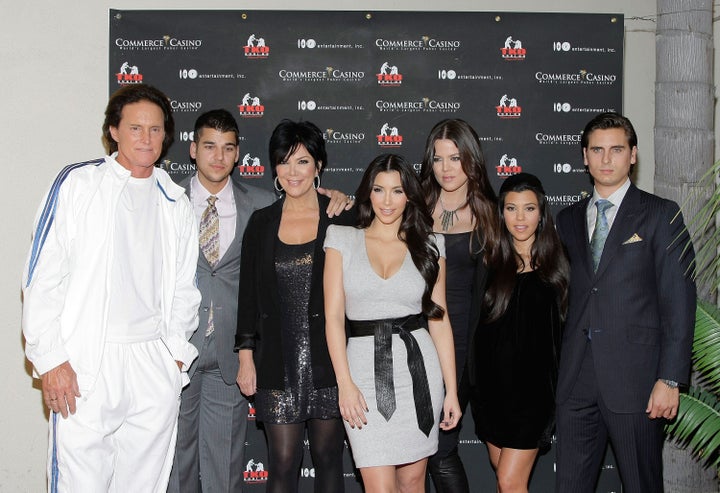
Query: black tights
(285,453)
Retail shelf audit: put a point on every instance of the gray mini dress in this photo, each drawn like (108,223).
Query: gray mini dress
(370,297)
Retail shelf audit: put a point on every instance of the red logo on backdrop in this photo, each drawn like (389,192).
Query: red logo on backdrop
(129,74)
(251,107)
(251,168)
(508,166)
(513,50)
(255,472)
(389,76)
(508,108)
(251,407)
(256,49)
(389,137)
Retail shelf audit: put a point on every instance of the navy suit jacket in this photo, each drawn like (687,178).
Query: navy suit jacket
(639,307)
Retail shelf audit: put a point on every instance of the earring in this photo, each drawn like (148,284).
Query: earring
(276,184)
(316,184)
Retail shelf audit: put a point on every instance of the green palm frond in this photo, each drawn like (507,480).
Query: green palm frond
(706,238)
(706,346)
(697,426)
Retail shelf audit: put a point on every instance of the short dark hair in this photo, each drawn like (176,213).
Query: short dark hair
(289,135)
(134,93)
(604,121)
(220,120)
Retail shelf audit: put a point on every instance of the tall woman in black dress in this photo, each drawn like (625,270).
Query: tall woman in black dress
(517,343)
(284,359)
(463,207)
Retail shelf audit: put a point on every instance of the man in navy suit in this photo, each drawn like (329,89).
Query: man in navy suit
(628,335)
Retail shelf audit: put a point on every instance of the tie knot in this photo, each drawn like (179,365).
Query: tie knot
(603,205)
(211,200)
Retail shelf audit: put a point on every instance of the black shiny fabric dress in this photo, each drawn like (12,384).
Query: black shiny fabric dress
(299,401)
(517,360)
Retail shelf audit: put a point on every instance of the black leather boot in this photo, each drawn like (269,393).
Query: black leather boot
(448,474)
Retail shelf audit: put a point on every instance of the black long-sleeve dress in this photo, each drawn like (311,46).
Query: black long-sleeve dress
(516,361)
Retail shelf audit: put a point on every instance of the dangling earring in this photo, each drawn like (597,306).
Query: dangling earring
(276,184)
(316,182)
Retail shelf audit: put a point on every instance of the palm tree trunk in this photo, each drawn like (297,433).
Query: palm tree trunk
(684,141)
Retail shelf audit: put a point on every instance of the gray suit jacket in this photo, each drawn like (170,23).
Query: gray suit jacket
(220,285)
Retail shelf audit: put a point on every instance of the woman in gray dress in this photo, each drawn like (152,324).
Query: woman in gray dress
(388,277)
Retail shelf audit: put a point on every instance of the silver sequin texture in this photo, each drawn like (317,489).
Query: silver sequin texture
(299,401)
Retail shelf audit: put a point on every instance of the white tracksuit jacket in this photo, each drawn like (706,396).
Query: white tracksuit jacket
(67,276)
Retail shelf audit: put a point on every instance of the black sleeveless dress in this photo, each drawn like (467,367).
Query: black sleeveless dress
(517,360)
(299,401)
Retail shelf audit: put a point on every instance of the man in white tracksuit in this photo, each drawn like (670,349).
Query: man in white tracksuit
(110,302)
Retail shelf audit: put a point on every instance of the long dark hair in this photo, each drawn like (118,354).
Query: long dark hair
(480,194)
(415,227)
(547,257)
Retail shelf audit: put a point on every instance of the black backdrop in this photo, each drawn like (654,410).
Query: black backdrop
(377,82)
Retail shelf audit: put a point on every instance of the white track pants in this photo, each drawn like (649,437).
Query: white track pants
(122,437)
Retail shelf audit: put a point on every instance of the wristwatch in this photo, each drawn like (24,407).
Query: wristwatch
(670,383)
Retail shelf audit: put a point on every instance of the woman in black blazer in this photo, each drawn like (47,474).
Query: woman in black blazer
(280,336)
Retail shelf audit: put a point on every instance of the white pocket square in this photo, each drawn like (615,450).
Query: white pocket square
(633,239)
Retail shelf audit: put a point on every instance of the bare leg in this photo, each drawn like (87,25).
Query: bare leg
(379,479)
(411,477)
(514,468)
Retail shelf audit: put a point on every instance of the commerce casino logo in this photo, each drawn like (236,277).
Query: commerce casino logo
(167,42)
(333,136)
(255,472)
(508,166)
(513,50)
(251,168)
(255,48)
(129,74)
(424,43)
(185,106)
(250,107)
(389,137)
(389,76)
(508,108)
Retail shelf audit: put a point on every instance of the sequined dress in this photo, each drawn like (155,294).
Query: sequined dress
(299,401)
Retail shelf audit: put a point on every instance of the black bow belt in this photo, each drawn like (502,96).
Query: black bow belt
(382,330)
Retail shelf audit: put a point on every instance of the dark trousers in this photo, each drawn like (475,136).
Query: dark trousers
(584,426)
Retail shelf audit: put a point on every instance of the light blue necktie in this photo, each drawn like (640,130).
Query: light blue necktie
(600,233)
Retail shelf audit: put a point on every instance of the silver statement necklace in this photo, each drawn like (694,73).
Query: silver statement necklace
(447,218)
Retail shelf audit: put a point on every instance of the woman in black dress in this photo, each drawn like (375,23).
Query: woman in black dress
(463,205)
(280,338)
(517,344)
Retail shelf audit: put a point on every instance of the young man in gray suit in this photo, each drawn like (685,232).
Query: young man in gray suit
(629,329)
(213,413)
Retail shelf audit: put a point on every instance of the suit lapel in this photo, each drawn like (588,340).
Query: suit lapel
(579,221)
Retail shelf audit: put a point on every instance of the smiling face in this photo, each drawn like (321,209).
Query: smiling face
(297,172)
(139,136)
(215,154)
(521,213)
(388,198)
(447,166)
(609,157)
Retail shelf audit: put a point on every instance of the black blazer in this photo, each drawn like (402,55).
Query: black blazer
(639,306)
(259,319)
